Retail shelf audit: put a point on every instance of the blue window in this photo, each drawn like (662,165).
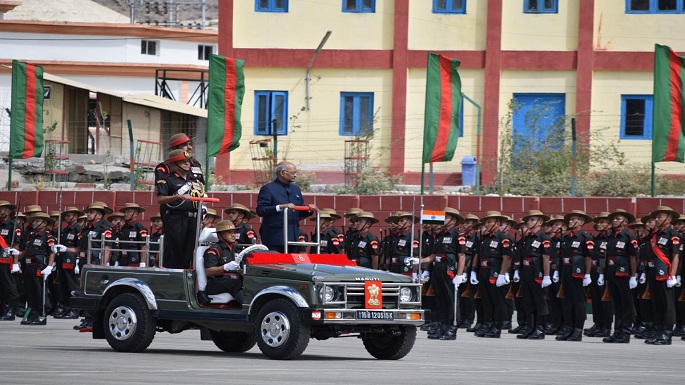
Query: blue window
(271,112)
(636,117)
(540,6)
(356,113)
(271,6)
(449,6)
(359,6)
(538,120)
(654,6)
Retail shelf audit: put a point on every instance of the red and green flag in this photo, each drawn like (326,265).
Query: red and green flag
(668,142)
(226,91)
(26,122)
(443,101)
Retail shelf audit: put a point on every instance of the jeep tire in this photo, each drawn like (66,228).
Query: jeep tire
(233,342)
(128,325)
(280,331)
(389,346)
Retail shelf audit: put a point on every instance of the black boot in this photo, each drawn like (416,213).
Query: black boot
(495,331)
(617,331)
(484,328)
(603,332)
(528,332)
(664,338)
(537,334)
(624,336)
(577,335)
(428,327)
(474,328)
(71,314)
(566,332)
(521,328)
(590,332)
(679,331)
(506,325)
(465,324)
(449,334)
(9,314)
(437,332)
(551,329)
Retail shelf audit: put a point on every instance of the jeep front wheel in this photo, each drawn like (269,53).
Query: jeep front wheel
(391,345)
(129,327)
(280,331)
(233,342)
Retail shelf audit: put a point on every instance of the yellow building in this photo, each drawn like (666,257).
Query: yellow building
(590,60)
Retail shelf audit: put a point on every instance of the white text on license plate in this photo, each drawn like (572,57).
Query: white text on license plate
(383,315)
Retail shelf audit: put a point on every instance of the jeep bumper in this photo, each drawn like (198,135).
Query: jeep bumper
(416,317)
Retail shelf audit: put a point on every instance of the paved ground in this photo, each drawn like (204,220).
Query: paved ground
(56,354)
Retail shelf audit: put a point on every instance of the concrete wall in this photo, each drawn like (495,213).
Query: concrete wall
(306,23)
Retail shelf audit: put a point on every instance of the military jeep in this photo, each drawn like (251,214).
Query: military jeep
(288,299)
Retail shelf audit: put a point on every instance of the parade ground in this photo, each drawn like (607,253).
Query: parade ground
(56,354)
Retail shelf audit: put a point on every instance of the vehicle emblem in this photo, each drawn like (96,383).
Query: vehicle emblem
(373,294)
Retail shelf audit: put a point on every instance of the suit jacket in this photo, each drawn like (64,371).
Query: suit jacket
(271,195)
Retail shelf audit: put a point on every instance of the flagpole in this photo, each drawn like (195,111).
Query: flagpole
(653,180)
(423,170)
(9,177)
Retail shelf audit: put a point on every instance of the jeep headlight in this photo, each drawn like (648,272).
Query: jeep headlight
(327,294)
(406,294)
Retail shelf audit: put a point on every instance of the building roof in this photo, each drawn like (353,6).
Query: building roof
(152,101)
(60,10)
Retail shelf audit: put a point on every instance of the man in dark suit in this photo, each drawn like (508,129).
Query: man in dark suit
(273,198)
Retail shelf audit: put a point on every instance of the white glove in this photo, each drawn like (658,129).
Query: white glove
(425,276)
(466,278)
(142,264)
(546,281)
(46,272)
(555,277)
(12,251)
(457,280)
(587,280)
(517,277)
(413,261)
(501,280)
(474,279)
(58,249)
(600,280)
(632,282)
(414,277)
(15,268)
(677,281)
(232,266)
(506,278)
(671,281)
(643,278)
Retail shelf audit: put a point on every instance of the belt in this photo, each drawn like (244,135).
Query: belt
(189,214)
(527,262)
(6,261)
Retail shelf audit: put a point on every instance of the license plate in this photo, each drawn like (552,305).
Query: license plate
(381,315)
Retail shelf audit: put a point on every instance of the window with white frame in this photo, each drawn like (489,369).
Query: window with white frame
(149,47)
(203,51)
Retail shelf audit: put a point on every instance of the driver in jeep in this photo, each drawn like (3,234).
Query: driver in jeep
(220,264)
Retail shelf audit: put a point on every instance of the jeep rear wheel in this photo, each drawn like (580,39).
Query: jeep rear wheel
(390,346)
(281,334)
(129,327)
(233,342)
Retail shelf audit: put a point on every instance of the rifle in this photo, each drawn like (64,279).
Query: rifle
(14,230)
(606,297)
(648,293)
(561,293)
